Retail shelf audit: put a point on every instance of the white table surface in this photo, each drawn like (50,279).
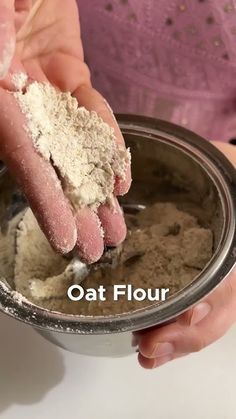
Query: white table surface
(39,380)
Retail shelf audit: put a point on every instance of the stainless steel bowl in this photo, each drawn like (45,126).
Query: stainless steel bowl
(169,163)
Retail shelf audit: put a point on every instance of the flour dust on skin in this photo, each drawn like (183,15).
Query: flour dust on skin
(81,146)
(171,246)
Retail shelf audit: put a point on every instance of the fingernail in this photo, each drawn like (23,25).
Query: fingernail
(199,312)
(163,349)
(161,361)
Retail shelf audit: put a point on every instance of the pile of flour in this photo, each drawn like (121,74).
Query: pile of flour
(79,144)
(165,247)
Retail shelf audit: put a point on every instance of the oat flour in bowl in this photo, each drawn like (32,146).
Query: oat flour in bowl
(172,250)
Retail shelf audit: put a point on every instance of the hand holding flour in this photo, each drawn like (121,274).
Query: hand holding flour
(47,48)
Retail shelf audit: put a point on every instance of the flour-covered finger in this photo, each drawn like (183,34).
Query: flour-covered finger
(90,243)
(113,223)
(122,186)
(36,177)
(93,101)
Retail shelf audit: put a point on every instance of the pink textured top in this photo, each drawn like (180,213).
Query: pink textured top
(172,59)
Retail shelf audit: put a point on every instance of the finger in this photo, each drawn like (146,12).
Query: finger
(16,69)
(229,150)
(213,327)
(176,338)
(90,243)
(93,101)
(36,177)
(113,223)
(221,297)
(7,36)
(150,363)
(122,186)
(195,314)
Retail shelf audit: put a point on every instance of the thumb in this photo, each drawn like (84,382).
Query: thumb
(7,36)
(221,299)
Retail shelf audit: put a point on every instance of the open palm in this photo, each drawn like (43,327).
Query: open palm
(48,48)
(49,44)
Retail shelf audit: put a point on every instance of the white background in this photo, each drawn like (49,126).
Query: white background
(38,380)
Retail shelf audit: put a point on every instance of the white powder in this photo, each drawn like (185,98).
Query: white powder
(156,254)
(19,80)
(80,145)
(15,294)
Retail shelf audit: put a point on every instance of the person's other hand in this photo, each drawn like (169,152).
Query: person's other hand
(198,327)
(42,39)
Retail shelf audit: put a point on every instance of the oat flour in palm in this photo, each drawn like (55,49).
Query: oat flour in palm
(80,145)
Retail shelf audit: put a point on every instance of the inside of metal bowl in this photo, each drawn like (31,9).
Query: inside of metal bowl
(164,172)
(164,169)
